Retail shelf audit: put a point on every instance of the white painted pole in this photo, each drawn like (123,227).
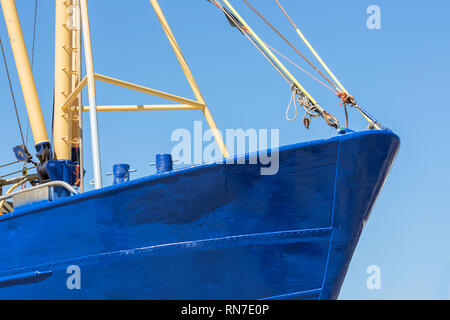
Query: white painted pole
(92,98)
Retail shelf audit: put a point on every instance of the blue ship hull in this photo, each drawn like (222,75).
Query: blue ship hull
(214,231)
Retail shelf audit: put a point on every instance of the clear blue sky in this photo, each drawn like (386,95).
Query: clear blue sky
(399,73)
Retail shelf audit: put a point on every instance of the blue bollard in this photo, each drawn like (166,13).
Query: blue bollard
(61,170)
(121,173)
(164,163)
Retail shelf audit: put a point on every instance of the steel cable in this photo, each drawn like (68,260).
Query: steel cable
(291,45)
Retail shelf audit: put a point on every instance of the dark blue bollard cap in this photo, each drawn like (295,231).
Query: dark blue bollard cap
(121,173)
(164,163)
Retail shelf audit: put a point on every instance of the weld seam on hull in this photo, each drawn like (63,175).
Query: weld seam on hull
(232,241)
(332,219)
(296,295)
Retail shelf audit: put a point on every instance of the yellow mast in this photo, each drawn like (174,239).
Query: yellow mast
(25,73)
(69,84)
(63,80)
(77,114)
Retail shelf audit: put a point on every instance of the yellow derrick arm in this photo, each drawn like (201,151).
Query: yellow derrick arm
(189,76)
(128,85)
(69,83)
(69,105)
(143,89)
(323,64)
(310,47)
(159,107)
(269,52)
(24,71)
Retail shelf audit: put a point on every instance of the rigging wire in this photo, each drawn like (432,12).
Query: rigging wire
(34,32)
(250,31)
(291,45)
(342,89)
(336,90)
(309,111)
(244,32)
(296,65)
(346,98)
(12,92)
(32,56)
(24,140)
(21,171)
(312,109)
(9,164)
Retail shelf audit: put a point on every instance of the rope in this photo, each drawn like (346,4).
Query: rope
(311,48)
(291,45)
(315,112)
(348,98)
(311,111)
(12,92)
(311,108)
(286,14)
(289,108)
(293,63)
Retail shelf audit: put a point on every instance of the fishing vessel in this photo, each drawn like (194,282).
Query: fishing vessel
(220,230)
